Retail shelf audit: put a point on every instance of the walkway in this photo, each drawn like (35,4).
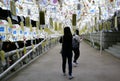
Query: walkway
(93,66)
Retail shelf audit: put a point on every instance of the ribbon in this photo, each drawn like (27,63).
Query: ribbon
(2,56)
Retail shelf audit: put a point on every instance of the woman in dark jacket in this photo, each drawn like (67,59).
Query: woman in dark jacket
(66,41)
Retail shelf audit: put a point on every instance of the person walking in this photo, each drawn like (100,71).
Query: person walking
(66,41)
(76,47)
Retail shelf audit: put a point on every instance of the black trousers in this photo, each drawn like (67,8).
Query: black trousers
(76,54)
(64,60)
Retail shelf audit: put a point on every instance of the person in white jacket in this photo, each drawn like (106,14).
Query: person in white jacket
(76,49)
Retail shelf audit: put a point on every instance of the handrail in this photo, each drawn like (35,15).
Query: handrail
(20,59)
(14,51)
(7,70)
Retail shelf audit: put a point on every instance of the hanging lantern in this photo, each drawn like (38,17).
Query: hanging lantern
(74,19)
(89,0)
(51,22)
(37,27)
(100,13)
(27,21)
(22,25)
(78,6)
(116,24)
(31,28)
(29,12)
(111,0)
(2,57)
(56,28)
(42,18)
(13,7)
(25,50)
(95,20)
(9,21)
(54,2)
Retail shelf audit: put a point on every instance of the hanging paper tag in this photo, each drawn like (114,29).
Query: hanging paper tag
(18,54)
(115,21)
(33,47)
(2,56)
(20,31)
(2,29)
(31,41)
(25,50)
(1,45)
(17,45)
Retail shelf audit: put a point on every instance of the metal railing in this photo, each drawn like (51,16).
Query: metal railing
(24,59)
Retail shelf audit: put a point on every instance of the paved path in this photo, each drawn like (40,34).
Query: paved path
(93,66)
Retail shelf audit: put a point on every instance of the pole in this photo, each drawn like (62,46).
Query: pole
(100,30)
(100,42)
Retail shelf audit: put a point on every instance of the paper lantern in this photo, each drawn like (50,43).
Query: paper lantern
(9,21)
(111,0)
(2,57)
(74,19)
(56,27)
(78,6)
(22,25)
(51,22)
(37,27)
(29,12)
(116,24)
(27,21)
(13,7)
(42,18)
(100,13)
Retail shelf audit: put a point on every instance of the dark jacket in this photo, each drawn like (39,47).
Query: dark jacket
(66,41)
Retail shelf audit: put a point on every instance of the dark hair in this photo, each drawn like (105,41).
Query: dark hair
(77,31)
(67,32)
